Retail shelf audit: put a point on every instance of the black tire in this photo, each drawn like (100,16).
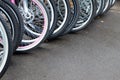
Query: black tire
(74,16)
(25,46)
(19,18)
(52,28)
(99,9)
(105,8)
(63,27)
(14,25)
(113,2)
(10,47)
(78,26)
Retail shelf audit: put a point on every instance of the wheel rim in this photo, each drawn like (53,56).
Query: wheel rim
(50,8)
(86,8)
(106,5)
(4,49)
(62,14)
(34,33)
(9,22)
(99,4)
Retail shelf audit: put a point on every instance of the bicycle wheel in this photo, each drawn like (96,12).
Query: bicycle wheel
(20,25)
(87,13)
(36,23)
(75,12)
(99,4)
(6,48)
(63,9)
(12,22)
(113,2)
(106,7)
(51,6)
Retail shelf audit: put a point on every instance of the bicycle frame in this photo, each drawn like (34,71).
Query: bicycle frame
(25,4)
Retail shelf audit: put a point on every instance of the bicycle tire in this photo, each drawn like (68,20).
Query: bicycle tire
(51,6)
(99,6)
(63,24)
(7,44)
(106,7)
(81,25)
(113,2)
(15,29)
(74,16)
(36,37)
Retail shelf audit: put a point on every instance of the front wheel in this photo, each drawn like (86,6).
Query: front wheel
(106,7)
(36,23)
(63,9)
(99,5)
(87,13)
(75,12)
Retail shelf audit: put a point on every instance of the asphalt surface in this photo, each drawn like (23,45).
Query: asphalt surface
(90,54)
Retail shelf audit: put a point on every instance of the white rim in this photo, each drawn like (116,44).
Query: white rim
(83,24)
(12,26)
(52,14)
(38,40)
(65,18)
(5,47)
(113,2)
(99,6)
(106,5)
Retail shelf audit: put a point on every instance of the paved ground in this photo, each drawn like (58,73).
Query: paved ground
(91,54)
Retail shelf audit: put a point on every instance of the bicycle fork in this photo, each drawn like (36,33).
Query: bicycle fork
(25,6)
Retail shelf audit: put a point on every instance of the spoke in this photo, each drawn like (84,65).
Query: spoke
(1,55)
